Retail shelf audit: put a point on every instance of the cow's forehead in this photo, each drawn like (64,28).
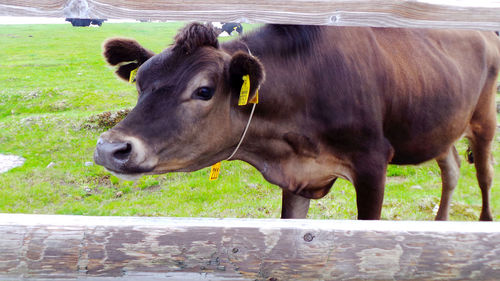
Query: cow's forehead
(169,65)
(156,62)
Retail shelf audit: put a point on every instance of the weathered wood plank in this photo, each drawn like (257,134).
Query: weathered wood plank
(391,13)
(37,247)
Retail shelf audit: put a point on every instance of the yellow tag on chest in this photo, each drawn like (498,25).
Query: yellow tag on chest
(255,98)
(245,90)
(214,171)
(133,73)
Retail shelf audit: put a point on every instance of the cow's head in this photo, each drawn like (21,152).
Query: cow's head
(187,115)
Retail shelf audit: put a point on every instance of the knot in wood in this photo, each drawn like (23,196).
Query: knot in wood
(308,237)
(334,19)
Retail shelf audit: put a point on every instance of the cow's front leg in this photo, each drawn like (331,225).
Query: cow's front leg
(369,182)
(294,206)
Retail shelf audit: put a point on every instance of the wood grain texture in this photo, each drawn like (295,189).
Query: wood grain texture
(387,13)
(41,247)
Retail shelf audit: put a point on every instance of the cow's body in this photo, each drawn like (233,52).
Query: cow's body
(335,102)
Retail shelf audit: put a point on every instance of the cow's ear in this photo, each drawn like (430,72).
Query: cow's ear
(245,64)
(126,53)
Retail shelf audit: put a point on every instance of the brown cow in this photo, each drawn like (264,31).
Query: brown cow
(334,102)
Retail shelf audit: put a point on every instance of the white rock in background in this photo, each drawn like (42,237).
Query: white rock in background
(8,162)
(435,209)
(77,9)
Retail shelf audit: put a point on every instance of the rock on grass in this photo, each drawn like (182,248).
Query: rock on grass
(8,162)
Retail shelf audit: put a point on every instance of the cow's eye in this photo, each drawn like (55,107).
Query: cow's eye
(203,93)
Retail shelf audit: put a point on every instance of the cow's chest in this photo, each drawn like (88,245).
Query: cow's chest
(307,176)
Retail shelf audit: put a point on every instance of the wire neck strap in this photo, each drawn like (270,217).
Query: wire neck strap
(244,133)
(248,123)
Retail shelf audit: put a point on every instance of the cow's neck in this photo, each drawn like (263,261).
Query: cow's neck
(277,143)
(282,150)
(290,159)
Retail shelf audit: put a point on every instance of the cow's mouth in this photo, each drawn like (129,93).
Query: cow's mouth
(127,177)
(136,175)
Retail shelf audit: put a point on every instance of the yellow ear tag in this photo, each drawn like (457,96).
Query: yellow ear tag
(214,171)
(133,73)
(245,89)
(255,98)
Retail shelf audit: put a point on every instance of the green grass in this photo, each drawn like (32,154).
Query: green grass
(53,79)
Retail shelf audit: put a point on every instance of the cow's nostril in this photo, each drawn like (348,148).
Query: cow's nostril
(123,151)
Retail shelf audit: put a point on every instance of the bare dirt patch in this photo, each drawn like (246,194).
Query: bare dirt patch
(396,179)
(105,120)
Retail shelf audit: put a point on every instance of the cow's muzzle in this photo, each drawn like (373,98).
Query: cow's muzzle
(123,154)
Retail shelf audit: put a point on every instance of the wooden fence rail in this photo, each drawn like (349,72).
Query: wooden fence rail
(41,247)
(474,14)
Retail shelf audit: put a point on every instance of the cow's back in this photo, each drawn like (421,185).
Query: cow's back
(413,86)
(438,77)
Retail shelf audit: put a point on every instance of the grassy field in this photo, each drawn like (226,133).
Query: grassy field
(53,84)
